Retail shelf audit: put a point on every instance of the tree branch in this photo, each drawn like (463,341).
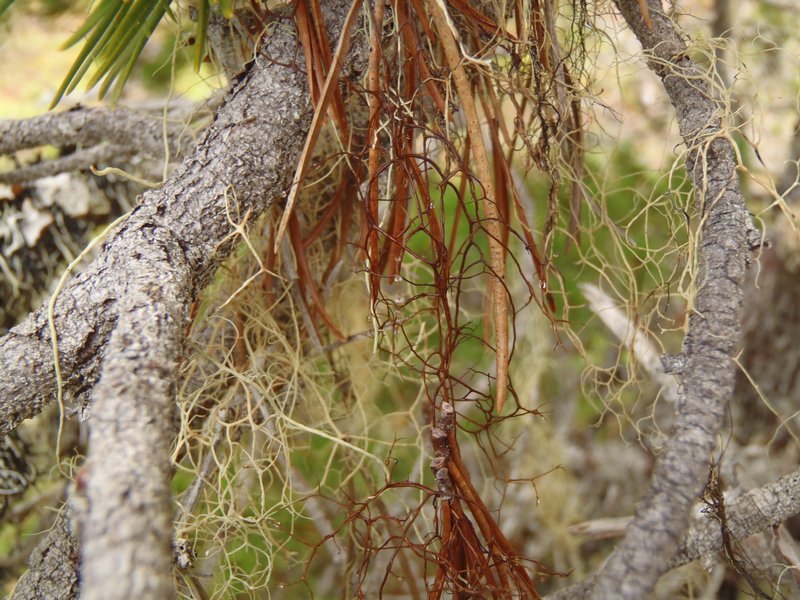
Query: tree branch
(750,513)
(243,161)
(53,566)
(102,136)
(123,319)
(755,511)
(82,159)
(143,134)
(126,535)
(662,516)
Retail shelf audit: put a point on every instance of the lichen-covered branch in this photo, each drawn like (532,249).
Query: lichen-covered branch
(126,531)
(123,320)
(755,511)
(748,514)
(662,515)
(53,566)
(242,163)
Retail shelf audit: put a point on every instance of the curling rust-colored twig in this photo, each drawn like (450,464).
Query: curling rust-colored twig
(484,174)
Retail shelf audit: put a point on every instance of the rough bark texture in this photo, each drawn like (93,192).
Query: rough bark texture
(237,169)
(750,513)
(662,516)
(225,44)
(104,135)
(126,533)
(53,567)
(241,164)
(123,319)
(89,127)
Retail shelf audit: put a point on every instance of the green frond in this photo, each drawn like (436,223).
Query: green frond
(95,42)
(94,45)
(138,45)
(126,35)
(102,10)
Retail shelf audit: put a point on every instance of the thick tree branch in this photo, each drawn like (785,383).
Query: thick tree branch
(124,318)
(241,164)
(662,516)
(126,533)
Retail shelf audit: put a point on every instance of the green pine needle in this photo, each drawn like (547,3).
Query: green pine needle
(202,28)
(115,33)
(4,4)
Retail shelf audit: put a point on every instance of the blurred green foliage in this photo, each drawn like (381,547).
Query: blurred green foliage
(115,32)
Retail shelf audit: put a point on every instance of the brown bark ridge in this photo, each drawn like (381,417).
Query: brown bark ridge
(122,320)
(725,238)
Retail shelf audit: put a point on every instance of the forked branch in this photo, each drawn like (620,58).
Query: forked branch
(662,516)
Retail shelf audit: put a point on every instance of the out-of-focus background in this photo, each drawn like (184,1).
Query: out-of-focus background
(290,505)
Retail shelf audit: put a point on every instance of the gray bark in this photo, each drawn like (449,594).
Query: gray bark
(103,135)
(123,319)
(225,44)
(750,513)
(243,160)
(104,153)
(171,246)
(662,516)
(87,127)
(127,531)
(53,567)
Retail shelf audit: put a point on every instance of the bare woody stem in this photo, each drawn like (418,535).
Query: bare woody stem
(662,516)
(750,513)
